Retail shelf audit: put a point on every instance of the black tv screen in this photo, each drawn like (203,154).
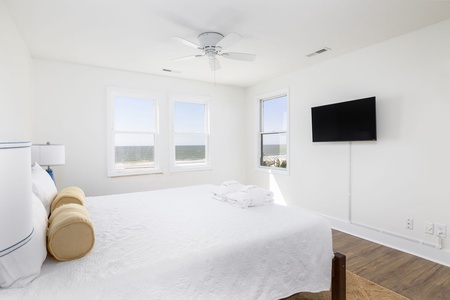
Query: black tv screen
(345,121)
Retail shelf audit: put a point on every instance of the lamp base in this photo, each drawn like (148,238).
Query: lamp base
(50,172)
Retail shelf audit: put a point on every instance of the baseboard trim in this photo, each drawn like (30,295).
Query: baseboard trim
(396,241)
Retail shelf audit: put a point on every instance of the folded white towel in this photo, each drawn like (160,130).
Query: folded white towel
(250,195)
(226,187)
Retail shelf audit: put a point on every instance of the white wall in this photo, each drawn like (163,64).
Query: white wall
(15,81)
(405,174)
(71,108)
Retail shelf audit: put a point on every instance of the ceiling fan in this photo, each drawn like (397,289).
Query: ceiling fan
(212,44)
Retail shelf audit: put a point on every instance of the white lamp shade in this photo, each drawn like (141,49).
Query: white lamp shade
(49,154)
(16,214)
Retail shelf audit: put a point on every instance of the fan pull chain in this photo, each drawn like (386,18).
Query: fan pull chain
(214,72)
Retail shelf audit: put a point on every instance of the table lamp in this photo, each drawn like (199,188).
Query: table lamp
(48,155)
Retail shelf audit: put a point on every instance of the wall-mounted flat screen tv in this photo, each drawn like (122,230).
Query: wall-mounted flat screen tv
(345,121)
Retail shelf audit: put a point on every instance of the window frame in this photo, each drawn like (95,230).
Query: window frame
(259,111)
(205,100)
(112,92)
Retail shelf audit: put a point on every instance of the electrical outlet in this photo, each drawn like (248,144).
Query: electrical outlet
(440,230)
(409,223)
(429,227)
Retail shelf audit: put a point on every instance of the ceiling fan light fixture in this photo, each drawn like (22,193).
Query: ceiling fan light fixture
(212,43)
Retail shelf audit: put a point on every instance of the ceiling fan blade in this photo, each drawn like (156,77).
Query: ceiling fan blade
(186,57)
(214,64)
(229,40)
(239,56)
(186,42)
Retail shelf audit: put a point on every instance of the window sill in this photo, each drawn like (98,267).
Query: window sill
(271,170)
(190,168)
(124,173)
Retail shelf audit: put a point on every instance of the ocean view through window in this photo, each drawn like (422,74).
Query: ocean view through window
(273,131)
(133,134)
(136,143)
(190,133)
(141,155)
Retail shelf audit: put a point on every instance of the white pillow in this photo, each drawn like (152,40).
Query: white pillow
(43,186)
(21,266)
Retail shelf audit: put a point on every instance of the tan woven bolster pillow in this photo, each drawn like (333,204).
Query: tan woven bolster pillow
(70,234)
(68,195)
(68,207)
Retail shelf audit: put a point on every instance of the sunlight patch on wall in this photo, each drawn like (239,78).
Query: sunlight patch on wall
(273,186)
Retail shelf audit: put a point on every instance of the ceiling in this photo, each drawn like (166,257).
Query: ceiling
(135,35)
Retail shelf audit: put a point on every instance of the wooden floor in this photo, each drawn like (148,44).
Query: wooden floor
(406,274)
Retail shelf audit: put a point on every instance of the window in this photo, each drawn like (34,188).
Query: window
(190,133)
(273,132)
(133,132)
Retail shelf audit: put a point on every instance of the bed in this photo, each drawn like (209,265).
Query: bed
(181,244)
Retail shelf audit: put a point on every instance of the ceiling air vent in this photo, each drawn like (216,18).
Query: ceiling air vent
(170,71)
(320,51)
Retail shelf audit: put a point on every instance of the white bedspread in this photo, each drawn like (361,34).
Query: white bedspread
(181,244)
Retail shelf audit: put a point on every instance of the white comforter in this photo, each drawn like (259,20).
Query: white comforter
(182,244)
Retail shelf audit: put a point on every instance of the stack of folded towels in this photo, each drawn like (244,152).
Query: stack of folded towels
(241,195)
